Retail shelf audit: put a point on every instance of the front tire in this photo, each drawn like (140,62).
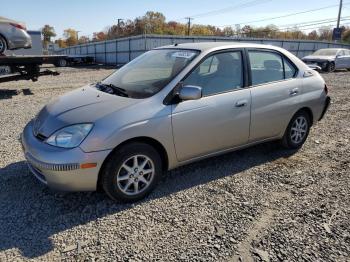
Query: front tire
(132,172)
(330,67)
(297,131)
(3,45)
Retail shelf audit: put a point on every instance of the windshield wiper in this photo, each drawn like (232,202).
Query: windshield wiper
(120,91)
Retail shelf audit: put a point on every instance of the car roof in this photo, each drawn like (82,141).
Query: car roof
(7,20)
(205,46)
(334,48)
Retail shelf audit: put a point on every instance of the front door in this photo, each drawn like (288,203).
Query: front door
(342,61)
(220,119)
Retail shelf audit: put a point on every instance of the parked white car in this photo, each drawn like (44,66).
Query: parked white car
(329,59)
(13,35)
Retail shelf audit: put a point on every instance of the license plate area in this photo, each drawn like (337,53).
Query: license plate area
(5,70)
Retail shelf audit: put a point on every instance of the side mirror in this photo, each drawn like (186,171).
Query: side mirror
(190,93)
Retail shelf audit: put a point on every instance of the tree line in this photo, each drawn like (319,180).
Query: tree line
(155,23)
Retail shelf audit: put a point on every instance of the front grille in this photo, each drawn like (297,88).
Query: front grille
(319,63)
(47,166)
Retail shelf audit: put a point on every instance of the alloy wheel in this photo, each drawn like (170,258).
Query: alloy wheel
(331,67)
(299,130)
(2,45)
(135,175)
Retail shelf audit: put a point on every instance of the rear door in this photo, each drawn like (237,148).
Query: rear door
(275,93)
(220,119)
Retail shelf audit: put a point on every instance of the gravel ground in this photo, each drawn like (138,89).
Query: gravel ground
(258,204)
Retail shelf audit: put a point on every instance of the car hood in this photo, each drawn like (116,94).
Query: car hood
(84,105)
(319,58)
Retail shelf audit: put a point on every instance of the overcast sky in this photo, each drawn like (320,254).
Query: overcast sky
(89,16)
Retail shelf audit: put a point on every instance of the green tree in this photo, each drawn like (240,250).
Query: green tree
(71,36)
(61,43)
(83,39)
(154,22)
(228,31)
(313,35)
(346,35)
(99,36)
(47,31)
(325,33)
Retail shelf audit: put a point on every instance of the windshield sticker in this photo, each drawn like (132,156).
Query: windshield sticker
(183,54)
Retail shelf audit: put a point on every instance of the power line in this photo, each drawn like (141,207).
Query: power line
(307,22)
(245,4)
(283,16)
(315,28)
(310,23)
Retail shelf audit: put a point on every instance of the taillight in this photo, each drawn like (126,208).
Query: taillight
(326,89)
(19,26)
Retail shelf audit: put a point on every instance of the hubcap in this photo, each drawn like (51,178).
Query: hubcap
(135,175)
(1,45)
(298,130)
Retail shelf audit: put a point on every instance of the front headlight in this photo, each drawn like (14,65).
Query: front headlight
(70,136)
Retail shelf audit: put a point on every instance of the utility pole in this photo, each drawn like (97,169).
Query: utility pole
(189,25)
(77,32)
(339,13)
(118,27)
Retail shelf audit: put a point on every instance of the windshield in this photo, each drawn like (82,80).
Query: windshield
(151,72)
(326,52)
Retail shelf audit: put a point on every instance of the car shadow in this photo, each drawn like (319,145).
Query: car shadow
(9,93)
(30,213)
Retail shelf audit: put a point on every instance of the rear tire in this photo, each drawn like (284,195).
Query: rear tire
(131,172)
(297,131)
(3,45)
(61,63)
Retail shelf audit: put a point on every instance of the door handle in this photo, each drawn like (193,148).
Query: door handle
(294,91)
(241,103)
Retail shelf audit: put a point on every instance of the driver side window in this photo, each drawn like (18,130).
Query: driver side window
(341,53)
(218,73)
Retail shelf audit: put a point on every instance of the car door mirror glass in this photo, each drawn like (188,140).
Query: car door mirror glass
(190,92)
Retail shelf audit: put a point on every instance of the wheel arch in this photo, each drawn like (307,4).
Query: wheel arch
(6,41)
(143,139)
(308,111)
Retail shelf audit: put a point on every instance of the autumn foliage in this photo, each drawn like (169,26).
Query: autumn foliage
(155,23)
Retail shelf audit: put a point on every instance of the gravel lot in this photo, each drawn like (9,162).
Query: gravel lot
(259,204)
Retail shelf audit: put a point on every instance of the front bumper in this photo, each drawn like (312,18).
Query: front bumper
(325,108)
(60,168)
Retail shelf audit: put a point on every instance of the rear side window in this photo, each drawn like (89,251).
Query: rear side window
(269,67)
(289,69)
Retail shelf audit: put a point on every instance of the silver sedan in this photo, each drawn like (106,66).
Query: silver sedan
(13,35)
(169,107)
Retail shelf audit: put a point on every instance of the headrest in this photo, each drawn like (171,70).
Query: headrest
(272,64)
